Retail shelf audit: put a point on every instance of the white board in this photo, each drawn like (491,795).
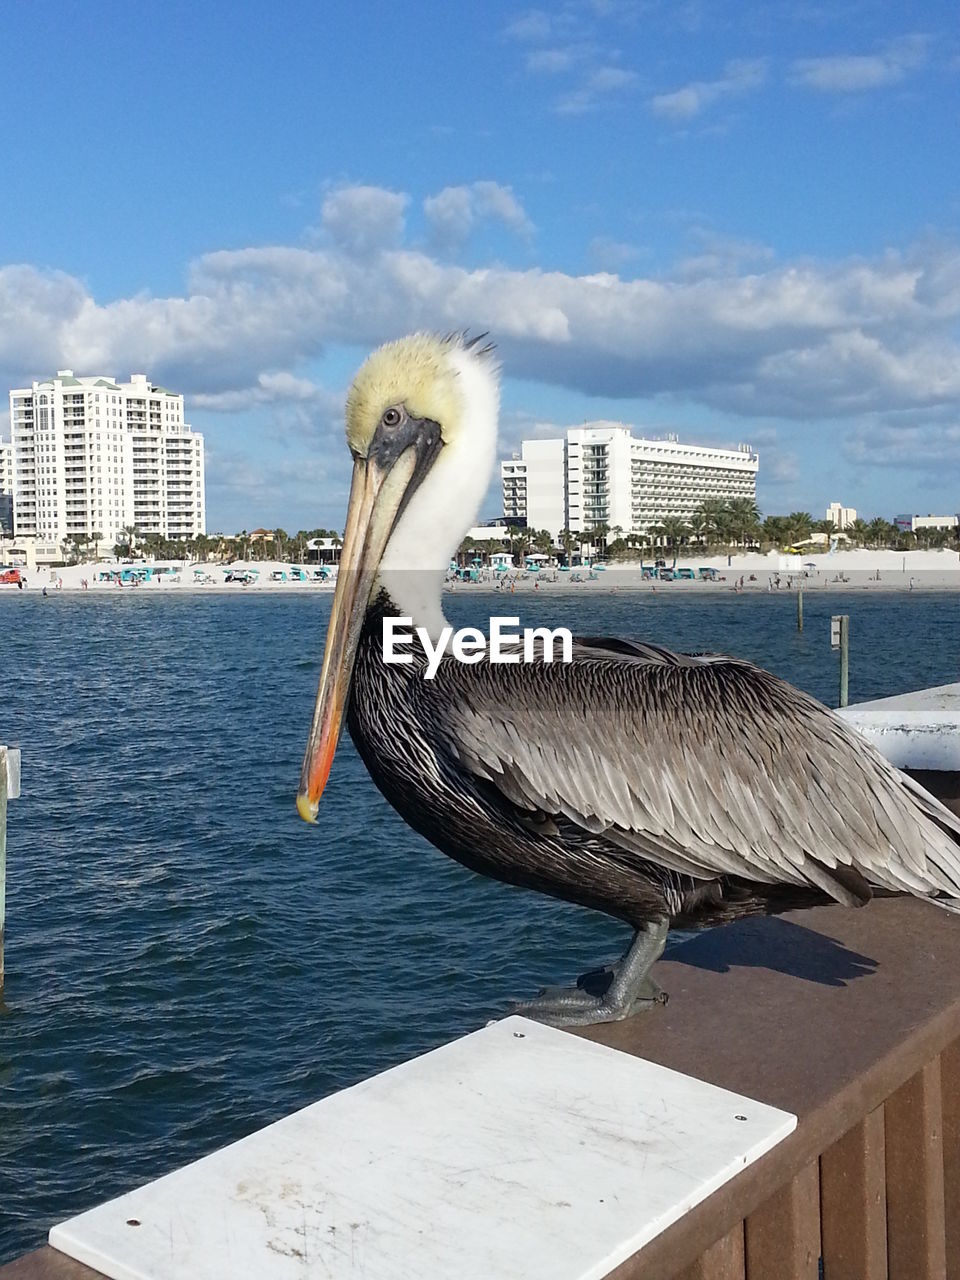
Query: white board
(517,1151)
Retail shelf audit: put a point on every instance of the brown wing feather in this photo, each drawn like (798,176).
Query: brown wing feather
(709,764)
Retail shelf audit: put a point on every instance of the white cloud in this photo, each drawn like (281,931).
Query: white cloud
(739,77)
(36,307)
(279,491)
(531,26)
(927,445)
(780,467)
(571,40)
(810,341)
(364,219)
(612,255)
(855,73)
(550,61)
(454,212)
(270,388)
(594,87)
(722,255)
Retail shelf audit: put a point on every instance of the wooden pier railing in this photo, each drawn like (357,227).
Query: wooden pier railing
(850,1019)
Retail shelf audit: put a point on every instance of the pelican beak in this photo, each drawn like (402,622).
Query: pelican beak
(382,484)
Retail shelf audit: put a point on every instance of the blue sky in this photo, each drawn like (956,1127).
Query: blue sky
(738,222)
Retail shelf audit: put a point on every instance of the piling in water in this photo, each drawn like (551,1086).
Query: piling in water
(844,657)
(840,639)
(9,790)
(3,852)
(799,608)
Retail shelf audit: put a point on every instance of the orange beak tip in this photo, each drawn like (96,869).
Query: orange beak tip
(307,808)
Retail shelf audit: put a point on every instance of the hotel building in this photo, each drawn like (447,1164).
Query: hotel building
(839,516)
(93,456)
(916,524)
(6,488)
(601,474)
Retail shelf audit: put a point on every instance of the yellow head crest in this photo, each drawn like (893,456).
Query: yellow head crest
(416,372)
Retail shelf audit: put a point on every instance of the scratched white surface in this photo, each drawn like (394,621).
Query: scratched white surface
(518,1151)
(919,730)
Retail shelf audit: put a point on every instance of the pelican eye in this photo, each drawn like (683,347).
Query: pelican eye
(392,418)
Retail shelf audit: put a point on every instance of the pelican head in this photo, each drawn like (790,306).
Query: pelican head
(421,424)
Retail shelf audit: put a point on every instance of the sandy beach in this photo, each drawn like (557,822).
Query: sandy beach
(860,570)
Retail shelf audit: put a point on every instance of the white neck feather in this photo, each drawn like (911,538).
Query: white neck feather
(446,504)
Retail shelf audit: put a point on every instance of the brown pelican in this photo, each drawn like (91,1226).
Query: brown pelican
(656,787)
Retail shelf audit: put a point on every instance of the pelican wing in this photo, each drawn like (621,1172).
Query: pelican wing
(705,764)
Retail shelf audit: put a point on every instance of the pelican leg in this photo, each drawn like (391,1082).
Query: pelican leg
(609,994)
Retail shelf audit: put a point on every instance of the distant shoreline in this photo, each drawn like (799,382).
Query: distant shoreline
(867,572)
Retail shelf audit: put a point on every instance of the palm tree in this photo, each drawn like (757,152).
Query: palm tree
(567,541)
(776,530)
(858,531)
(466,550)
(743,516)
(715,515)
(94,540)
(543,541)
(599,532)
(698,524)
(203,546)
(801,525)
(878,531)
(520,542)
(674,530)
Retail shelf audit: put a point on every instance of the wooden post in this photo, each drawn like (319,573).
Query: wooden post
(3,853)
(853,1203)
(844,657)
(783,1235)
(916,1213)
(840,639)
(9,789)
(800,608)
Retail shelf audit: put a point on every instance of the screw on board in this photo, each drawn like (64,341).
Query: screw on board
(9,790)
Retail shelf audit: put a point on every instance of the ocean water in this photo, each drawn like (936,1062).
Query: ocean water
(186,960)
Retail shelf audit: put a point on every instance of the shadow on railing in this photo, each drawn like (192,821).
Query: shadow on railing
(851,1020)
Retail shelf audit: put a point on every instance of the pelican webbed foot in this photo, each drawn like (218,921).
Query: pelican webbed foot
(609,994)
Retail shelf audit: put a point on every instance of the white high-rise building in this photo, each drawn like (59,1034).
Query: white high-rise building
(6,487)
(92,456)
(530,485)
(841,517)
(603,474)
